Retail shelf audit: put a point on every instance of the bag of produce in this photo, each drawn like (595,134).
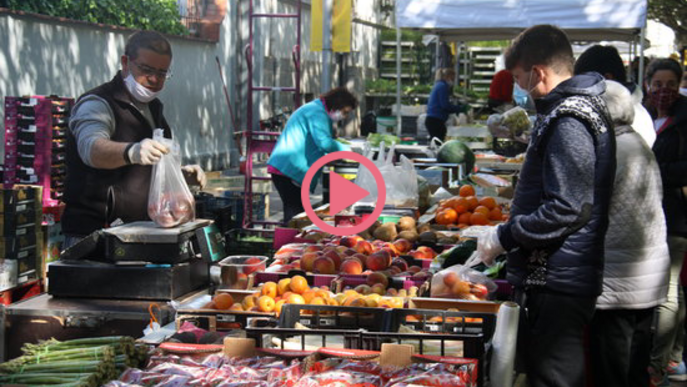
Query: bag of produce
(513,124)
(462,282)
(170,202)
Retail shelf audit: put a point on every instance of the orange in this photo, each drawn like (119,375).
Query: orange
(266,304)
(332,301)
(278,305)
(322,293)
(488,202)
(466,190)
(248,302)
(223,301)
(318,301)
(269,289)
(496,214)
(478,219)
(483,210)
(461,205)
(472,202)
(464,218)
(283,286)
(295,299)
(448,216)
(298,284)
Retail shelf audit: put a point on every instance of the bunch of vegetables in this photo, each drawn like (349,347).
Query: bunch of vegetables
(75,363)
(377,138)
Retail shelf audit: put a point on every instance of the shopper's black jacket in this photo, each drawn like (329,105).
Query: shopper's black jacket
(559,215)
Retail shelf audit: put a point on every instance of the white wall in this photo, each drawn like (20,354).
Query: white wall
(40,55)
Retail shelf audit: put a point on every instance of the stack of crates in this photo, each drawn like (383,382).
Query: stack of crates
(21,236)
(35,143)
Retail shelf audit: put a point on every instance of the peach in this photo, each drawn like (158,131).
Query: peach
(269,289)
(351,266)
(308,260)
(364,247)
(295,299)
(350,240)
(236,308)
(400,263)
(324,265)
(349,252)
(450,279)
(392,292)
(312,249)
(403,245)
(422,274)
(414,269)
(392,249)
(377,278)
(341,249)
(335,257)
(427,251)
(379,260)
(252,265)
(278,305)
(378,288)
(318,301)
(363,289)
(266,304)
(393,271)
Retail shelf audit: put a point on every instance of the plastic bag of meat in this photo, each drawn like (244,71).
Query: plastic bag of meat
(170,202)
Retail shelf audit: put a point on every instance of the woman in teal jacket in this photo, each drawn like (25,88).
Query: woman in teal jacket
(306,138)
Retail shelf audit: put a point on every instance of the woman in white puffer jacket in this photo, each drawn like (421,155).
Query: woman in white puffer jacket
(637,261)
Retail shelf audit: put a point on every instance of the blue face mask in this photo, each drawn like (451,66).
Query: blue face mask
(520,96)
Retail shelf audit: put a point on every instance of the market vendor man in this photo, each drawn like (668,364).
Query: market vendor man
(110,151)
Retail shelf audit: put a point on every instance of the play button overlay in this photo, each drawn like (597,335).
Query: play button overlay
(343,193)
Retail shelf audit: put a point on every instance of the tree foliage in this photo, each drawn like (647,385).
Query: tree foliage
(157,15)
(672,13)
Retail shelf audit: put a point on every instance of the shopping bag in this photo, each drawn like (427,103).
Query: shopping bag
(400,180)
(170,202)
(460,281)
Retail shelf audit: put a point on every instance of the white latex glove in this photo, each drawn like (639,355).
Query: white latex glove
(488,248)
(147,152)
(194,175)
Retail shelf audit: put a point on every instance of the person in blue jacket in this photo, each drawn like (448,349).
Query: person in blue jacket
(439,106)
(307,137)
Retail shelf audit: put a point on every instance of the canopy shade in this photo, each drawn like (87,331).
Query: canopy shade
(469,20)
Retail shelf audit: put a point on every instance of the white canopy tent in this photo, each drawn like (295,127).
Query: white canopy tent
(480,20)
(469,20)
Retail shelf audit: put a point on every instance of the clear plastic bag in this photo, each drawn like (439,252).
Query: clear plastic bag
(513,124)
(170,202)
(400,180)
(462,282)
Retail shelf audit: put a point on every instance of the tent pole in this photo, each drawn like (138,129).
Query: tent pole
(437,54)
(640,77)
(398,82)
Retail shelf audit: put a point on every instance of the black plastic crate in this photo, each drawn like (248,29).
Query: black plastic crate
(442,321)
(217,208)
(352,338)
(508,148)
(238,243)
(339,317)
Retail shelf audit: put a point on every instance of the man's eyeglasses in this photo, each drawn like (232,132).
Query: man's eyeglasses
(150,72)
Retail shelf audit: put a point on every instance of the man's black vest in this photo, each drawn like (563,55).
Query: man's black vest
(96,197)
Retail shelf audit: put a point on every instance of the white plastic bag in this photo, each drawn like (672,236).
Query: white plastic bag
(400,181)
(459,281)
(170,202)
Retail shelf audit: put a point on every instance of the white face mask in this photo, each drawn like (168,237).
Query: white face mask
(683,91)
(138,91)
(336,115)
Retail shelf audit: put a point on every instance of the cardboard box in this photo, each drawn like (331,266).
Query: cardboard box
(14,224)
(13,247)
(20,198)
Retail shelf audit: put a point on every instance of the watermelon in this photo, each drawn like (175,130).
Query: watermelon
(455,152)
